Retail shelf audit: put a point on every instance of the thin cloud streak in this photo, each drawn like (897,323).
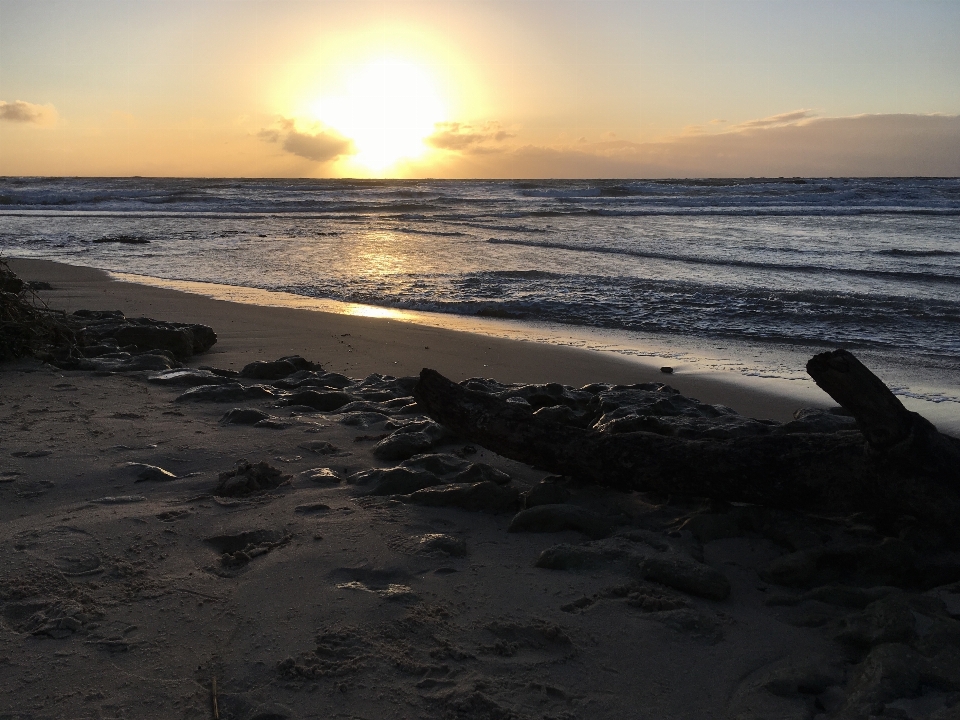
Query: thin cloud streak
(787,118)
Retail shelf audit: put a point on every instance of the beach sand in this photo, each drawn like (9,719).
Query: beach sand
(122,598)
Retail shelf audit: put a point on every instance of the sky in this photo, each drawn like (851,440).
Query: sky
(480,88)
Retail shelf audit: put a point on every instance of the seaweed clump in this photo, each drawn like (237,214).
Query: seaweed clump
(27,326)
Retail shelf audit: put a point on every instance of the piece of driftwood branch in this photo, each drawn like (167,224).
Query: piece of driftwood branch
(894,434)
(906,468)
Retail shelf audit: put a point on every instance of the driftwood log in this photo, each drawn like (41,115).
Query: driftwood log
(896,467)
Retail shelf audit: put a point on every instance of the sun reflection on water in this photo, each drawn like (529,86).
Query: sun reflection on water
(373,311)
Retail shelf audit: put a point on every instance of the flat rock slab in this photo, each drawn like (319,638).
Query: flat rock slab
(230,392)
(243,416)
(557,518)
(486,496)
(187,378)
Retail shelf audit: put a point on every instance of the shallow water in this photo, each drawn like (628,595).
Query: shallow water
(743,275)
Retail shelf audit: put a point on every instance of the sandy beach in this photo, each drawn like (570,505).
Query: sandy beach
(126,592)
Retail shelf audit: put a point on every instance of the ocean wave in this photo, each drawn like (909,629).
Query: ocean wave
(898,252)
(923,277)
(436,233)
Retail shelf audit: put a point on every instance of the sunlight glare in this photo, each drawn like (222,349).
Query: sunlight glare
(388,107)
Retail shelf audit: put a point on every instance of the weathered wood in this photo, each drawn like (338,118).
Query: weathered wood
(880,415)
(818,472)
(894,434)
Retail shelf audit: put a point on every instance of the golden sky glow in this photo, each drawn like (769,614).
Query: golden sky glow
(387,106)
(484,88)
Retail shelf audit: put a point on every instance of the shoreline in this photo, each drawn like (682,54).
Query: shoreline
(358,344)
(459,347)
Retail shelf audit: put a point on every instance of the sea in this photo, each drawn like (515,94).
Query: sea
(742,276)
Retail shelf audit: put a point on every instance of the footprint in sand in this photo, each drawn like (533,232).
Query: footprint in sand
(70,550)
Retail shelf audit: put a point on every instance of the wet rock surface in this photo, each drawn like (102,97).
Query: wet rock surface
(101,335)
(249,478)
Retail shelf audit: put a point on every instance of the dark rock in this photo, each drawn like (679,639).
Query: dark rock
(187,377)
(484,496)
(579,557)
(798,569)
(362,419)
(123,362)
(789,689)
(144,334)
(321,475)
(889,671)
(794,678)
(268,370)
(546,492)
(891,562)
(562,414)
(271,424)
(399,447)
(247,479)
(446,544)
(243,540)
(320,447)
(277,369)
(310,378)
(231,392)
(666,369)
(557,518)
(179,341)
(318,400)
(204,338)
(411,439)
(481,472)
(686,575)
(810,420)
(889,620)
(219,371)
(244,416)
(10,283)
(846,596)
(396,481)
(365,406)
(437,463)
(707,527)
(240,548)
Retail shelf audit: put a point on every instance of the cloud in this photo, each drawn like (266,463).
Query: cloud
(787,118)
(786,145)
(463,137)
(321,146)
(24,112)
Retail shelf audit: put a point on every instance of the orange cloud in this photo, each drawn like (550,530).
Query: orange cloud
(463,137)
(321,146)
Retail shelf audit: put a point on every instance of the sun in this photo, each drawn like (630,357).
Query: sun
(387,106)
